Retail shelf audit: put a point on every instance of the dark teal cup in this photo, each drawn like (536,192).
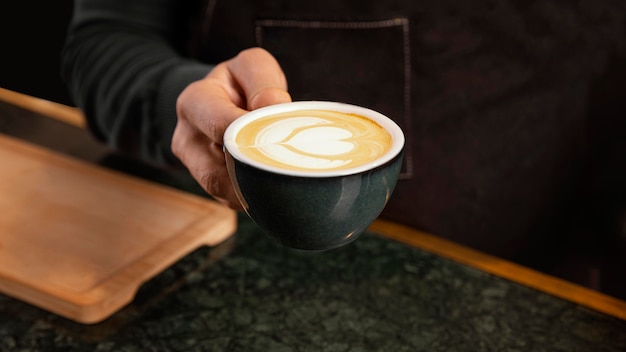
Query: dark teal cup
(314,210)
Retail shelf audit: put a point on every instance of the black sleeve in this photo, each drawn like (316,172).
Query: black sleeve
(123,65)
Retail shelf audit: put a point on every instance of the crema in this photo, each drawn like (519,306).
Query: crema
(314,140)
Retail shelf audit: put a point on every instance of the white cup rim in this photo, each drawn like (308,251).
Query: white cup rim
(396,132)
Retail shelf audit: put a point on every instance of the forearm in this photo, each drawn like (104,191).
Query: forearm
(123,69)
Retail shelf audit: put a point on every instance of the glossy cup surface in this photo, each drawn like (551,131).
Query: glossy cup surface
(313,210)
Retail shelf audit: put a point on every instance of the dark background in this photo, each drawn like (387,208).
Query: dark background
(32,35)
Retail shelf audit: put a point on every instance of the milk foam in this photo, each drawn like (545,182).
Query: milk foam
(313,140)
(304,142)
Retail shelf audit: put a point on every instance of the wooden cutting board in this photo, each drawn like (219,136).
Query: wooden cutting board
(79,240)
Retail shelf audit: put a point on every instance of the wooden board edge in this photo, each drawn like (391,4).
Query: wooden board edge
(50,303)
(554,286)
(108,298)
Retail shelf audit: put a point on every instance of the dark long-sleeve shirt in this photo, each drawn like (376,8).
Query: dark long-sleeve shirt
(125,66)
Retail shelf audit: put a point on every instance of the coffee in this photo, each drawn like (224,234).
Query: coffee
(313,140)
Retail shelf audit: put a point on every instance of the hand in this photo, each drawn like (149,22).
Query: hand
(251,80)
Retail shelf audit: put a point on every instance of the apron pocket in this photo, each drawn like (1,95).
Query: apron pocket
(362,63)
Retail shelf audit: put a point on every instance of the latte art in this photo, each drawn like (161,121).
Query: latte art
(313,140)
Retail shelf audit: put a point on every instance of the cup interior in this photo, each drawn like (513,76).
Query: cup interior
(396,134)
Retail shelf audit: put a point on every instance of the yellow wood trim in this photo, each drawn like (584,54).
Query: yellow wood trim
(61,112)
(554,286)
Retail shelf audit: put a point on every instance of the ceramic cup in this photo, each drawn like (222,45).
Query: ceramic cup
(326,202)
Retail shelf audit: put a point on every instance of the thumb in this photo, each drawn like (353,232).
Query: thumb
(268,96)
(260,77)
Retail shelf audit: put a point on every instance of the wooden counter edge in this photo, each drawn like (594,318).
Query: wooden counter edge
(510,271)
(439,246)
(70,115)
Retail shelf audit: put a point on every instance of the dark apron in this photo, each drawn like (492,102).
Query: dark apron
(491,97)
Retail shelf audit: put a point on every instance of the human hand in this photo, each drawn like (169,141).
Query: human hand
(251,80)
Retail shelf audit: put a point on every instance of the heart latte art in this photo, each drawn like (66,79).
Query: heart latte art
(313,140)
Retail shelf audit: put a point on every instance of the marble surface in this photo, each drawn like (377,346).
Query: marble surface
(250,294)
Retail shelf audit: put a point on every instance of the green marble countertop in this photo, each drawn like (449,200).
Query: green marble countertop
(250,294)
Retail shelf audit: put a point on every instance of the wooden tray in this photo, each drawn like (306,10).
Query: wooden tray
(79,240)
